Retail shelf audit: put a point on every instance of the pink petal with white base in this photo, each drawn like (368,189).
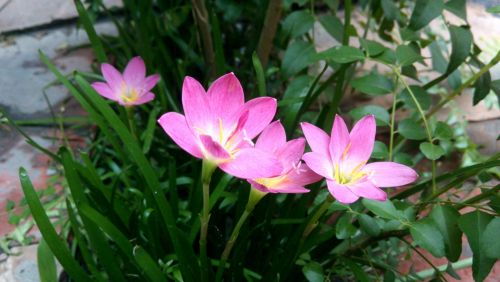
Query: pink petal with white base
(214,150)
(196,106)
(341,192)
(319,164)
(135,72)
(317,139)
(144,98)
(291,153)
(367,190)
(261,112)
(176,127)
(150,82)
(104,90)
(225,96)
(389,174)
(339,140)
(272,137)
(303,175)
(288,188)
(252,163)
(112,76)
(362,140)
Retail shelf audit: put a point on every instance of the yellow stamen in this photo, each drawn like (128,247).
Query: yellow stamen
(129,95)
(221,131)
(272,182)
(344,154)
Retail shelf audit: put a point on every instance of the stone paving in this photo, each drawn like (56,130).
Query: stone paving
(23,78)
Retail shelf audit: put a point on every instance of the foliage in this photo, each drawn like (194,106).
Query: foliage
(133,203)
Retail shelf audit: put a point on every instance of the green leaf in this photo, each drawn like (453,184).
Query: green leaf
(495,86)
(359,273)
(313,272)
(297,57)
(341,55)
(458,8)
(387,57)
(423,98)
(372,48)
(95,41)
(443,131)
(58,247)
(46,263)
(482,87)
(391,11)
(373,84)
(424,12)
(333,25)
(383,209)
(431,151)
(446,219)
(410,129)
(369,225)
(406,55)
(473,224)
(380,150)
(426,235)
(439,62)
(403,158)
(148,265)
(493,10)
(344,228)
(461,43)
(298,23)
(381,115)
(259,74)
(490,242)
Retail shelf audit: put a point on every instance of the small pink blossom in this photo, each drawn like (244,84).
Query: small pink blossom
(131,88)
(342,160)
(294,175)
(219,126)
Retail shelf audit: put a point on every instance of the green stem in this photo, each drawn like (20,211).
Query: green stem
(393,120)
(424,120)
(206,175)
(254,197)
(313,222)
(131,121)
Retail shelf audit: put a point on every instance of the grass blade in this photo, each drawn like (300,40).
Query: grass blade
(89,29)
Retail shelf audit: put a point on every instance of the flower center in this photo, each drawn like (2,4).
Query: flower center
(348,178)
(272,181)
(129,95)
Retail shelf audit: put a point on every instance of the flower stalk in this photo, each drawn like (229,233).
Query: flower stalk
(253,199)
(206,175)
(131,121)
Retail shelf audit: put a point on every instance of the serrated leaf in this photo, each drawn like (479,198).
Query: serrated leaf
(410,129)
(373,84)
(446,219)
(490,242)
(424,12)
(383,209)
(296,57)
(426,235)
(473,224)
(431,151)
(381,115)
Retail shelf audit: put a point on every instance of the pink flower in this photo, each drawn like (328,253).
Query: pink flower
(131,88)
(219,126)
(294,175)
(342,160)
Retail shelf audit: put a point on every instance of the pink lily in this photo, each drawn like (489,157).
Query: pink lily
(219,126)
(294,175)
(131,88)
(342,160)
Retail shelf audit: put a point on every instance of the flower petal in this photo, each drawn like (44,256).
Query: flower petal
(319,164)
(226,96)
(288,188)
(150,82)
(143,99)
(317,139)
(339,141)
(303,175)
(176,127)
(104,90)
(341,192)
(272,137)
(214,149)
(389,174)
(291,152)
(252,163)
(112,76)
(362,140)
(261,112)
(135,72)
(366,189)
(196,107)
